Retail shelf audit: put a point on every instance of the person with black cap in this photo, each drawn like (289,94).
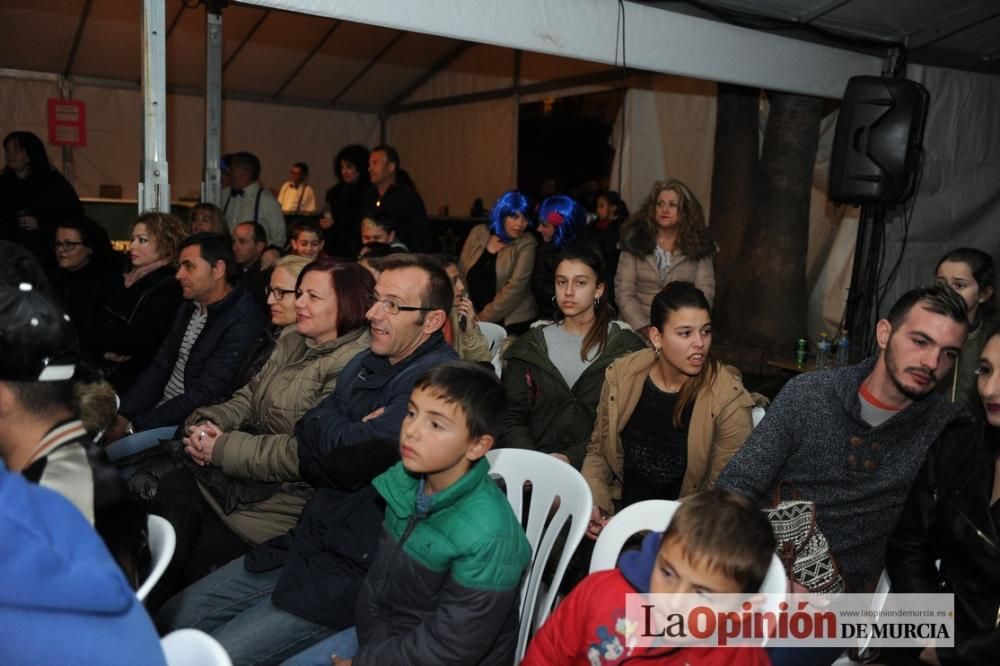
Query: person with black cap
(41,436)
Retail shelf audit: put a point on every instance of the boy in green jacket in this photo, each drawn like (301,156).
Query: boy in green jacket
(444,586)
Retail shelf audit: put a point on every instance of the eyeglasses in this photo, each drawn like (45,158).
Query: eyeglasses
(392,307)
(67,245)
(278,292)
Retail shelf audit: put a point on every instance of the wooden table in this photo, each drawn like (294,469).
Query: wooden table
(790,366)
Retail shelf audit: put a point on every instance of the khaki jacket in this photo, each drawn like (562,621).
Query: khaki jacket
(259,425)
(638,281)
(720,422)
(513,302)
(471,346)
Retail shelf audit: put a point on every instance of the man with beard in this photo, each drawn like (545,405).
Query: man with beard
(852,439)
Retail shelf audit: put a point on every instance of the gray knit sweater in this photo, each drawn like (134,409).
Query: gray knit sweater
(857,475)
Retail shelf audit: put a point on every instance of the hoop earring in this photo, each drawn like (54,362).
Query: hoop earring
(555,303)
(597,302)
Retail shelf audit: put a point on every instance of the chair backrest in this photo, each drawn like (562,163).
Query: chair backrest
(558,495)
(495,335)
(162,541)
(757,413)
(191,647)
(655,515)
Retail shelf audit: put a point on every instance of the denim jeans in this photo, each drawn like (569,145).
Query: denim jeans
(234,606)
(343,644)
(140,441)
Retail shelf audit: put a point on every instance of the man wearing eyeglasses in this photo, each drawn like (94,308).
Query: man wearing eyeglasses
(412,300)
(297,589)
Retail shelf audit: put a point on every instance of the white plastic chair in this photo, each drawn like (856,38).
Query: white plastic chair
(656,515)
(550,479)
(495,335)
(757,413)
(191,647)
(162,542)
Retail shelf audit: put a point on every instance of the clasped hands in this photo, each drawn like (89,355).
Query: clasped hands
(200,441)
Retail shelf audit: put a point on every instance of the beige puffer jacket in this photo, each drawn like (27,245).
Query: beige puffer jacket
(259,425)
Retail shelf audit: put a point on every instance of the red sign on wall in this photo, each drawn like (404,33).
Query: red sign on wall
(67,122)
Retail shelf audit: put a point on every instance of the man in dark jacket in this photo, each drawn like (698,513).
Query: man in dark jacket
(295,590)
(209,339)
(249,243)
(396,199)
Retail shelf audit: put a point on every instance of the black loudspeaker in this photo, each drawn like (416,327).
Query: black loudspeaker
(877,148)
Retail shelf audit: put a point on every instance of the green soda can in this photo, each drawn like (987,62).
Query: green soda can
(801,351)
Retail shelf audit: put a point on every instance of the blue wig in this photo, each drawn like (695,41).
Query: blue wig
(509,204)
(566,215)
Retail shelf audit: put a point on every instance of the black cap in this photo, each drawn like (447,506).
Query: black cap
(37,339)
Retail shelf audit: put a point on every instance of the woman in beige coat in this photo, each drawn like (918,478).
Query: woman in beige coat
(666,241)
(239,484)
(497,261)
(669,418)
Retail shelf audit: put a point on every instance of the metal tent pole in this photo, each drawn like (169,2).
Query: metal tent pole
(154,187)
(212,186)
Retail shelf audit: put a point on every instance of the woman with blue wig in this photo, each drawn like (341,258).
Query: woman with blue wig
(497,260)
(560,221)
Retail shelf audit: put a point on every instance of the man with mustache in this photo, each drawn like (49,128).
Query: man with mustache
(852,439)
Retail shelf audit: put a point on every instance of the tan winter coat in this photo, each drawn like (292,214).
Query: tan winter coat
(638,281)
(513,302)
(720,422)
(259,424)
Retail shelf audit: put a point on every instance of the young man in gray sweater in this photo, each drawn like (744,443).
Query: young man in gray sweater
(852,439)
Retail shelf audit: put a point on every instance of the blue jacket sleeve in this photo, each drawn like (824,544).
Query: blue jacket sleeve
(332,425)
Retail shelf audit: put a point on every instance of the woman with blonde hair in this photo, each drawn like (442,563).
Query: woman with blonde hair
(138,306)
(207,217)
(666,241)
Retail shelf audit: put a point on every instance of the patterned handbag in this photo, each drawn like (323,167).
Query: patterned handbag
(802,548)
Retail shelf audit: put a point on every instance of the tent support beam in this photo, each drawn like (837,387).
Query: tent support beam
(246,39)
(189,91)
(305,61)
(980,13)
(434,70)
(176,20)
(154,188)
(606,76)
(77,36)
(660,40)
(211,187)
(371,63)
(820,11)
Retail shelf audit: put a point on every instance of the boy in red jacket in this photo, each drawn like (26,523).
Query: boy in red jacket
(717,542)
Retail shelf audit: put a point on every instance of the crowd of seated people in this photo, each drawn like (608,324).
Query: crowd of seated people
(311,417)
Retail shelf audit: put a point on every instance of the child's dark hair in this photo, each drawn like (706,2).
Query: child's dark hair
(299,226)
(727,533)
(475,389)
